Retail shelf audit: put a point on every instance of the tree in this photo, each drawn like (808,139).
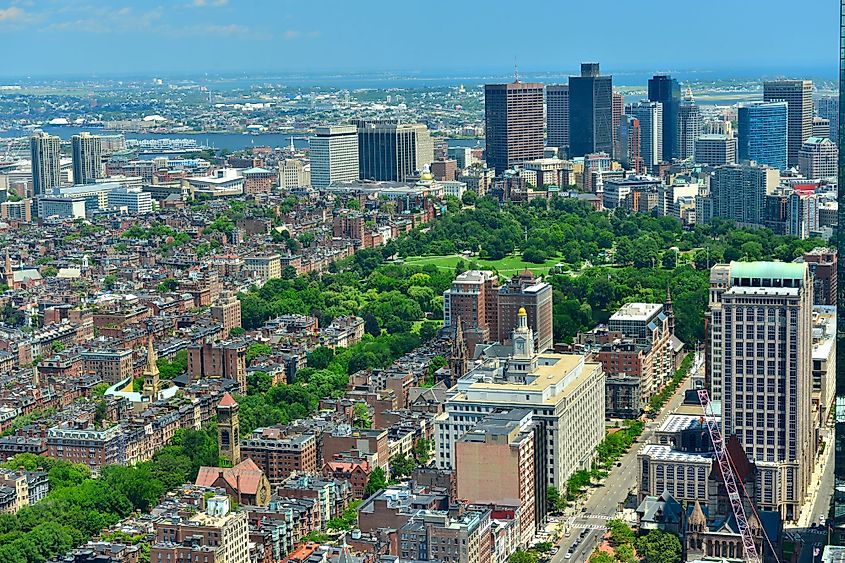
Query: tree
(288,273)
(168,285)
(620,532)
(376,482)
(100,412)
(469,197)
(109,281)
(255,350)
(371,325)
(361,415)
(237,331)
(401,466)
(601,557)
(520,556)
(658,546)
(320,357)
(49,272)
(258,382)
(553,500)
(422,451)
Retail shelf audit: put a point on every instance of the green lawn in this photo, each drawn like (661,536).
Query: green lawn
(506,266)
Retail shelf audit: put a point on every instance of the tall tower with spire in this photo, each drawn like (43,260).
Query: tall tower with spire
(151,381)
(668,311)
(8,273)
(458,360)
(689,125)
(229,430)
(523,360)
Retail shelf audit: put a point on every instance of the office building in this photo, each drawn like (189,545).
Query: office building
(263,266)
(134,200)
(760,338)
(739,191)
(392,151)
(821,127)
(618,108)
(650,116)
(827,107)
(45,152)
(112,365)
(439,535)
(259,180)
(59,207)
(557,118)
(16,210)
(618,191)
(818,158)
(689,126)
(629,141)
(823,264)
(515,441)
(334,156)
(666,90)
(461,155)
(525,291)
(513,117)
(590,112)
(763,133)
(715,149)
(87,153)
(295,173)
(650,327)
(565,394)
(798,95)
(837,507)
(444,170)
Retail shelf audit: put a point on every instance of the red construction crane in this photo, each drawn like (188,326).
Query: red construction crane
(726,467)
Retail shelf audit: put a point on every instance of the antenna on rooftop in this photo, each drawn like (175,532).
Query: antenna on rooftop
(515,71)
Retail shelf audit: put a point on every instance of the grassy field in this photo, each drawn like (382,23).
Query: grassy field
(506,266)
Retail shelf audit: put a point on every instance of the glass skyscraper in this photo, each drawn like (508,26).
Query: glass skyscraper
(838,508)
(666,90)
(762,133)
(590,112)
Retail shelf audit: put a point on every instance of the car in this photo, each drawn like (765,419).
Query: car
(568,555)
(618,464)
(554,551)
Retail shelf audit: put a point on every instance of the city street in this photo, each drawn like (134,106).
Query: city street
(604,502)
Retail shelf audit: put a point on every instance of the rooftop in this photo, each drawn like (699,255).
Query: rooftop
(768,270)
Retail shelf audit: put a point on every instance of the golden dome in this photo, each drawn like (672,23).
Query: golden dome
(426,177)
(522,312)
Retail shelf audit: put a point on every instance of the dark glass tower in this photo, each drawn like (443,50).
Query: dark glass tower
(590,112)
(666,90)
(838,508)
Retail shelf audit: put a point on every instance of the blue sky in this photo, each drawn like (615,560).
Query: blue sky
(99,37)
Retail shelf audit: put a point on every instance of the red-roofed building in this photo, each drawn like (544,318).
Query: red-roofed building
(245,482)
(356,472)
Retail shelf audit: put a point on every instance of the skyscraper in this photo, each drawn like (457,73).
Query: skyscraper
(334,155)
(689,126)
(557,118)
(87,152)
(828,108)
(650,116)
(838,503)
(798,94)
(513,118)
(45,151)
(666,90)
(761,349)
(739,192)
(590,112)
(618,108)
(629,142)
(392,151)
(763,133)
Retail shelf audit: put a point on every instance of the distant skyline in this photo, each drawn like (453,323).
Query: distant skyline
(84,38)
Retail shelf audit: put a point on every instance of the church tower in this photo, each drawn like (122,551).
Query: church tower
(229,430)
(669,312)
(8,273)
(458,361)
(523,359)
(151,382)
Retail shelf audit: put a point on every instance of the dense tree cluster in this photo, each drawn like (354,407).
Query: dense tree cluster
(79,506)
(266,404)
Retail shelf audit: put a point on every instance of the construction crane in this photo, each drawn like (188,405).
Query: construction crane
(726,467)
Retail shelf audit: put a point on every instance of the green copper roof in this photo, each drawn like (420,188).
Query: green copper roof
(770,270)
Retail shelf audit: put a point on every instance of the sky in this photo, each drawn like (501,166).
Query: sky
(41,38)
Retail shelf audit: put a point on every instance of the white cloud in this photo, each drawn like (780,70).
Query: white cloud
(11,13)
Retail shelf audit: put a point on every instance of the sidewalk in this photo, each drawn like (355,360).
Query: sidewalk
(807,515)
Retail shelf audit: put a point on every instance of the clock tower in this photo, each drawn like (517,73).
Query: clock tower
(523,360)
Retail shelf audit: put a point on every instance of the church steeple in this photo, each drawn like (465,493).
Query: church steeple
(8,273)
(668,311)
(459,360)
(151,380)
